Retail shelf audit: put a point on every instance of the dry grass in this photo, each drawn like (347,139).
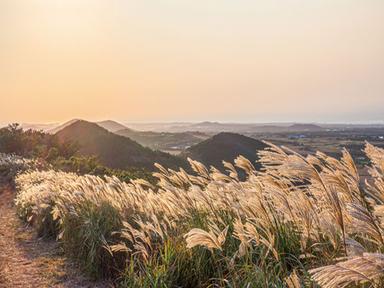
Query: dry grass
(366,268)
(297,217)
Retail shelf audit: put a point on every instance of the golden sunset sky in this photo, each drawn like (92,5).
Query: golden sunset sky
(192,60)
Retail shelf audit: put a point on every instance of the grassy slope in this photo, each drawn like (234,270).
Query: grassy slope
(113,150)
(224,146)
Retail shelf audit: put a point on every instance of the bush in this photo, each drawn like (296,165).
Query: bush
(87,232)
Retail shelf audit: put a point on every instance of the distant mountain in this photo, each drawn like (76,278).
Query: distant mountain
(157,127)
(54,130)
(38,127)
(217,127)
(225,146)
(111,126)
(113,150)
(164,140)
(207,124)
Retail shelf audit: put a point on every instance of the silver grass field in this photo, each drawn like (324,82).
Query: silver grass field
(299,222)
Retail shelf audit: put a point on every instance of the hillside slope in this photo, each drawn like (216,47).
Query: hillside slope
(111,126)
(225,146)
(60,127)
(113,150)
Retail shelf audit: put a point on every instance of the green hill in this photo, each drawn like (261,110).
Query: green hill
(113,150)
(225,146)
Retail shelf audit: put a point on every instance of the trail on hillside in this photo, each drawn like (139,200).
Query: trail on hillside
(29,262)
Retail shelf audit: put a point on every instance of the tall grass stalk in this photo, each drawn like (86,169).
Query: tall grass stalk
(300,221)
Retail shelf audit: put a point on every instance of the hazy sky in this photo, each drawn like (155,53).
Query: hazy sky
(192,60)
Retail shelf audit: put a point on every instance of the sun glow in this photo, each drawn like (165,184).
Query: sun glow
(191,60)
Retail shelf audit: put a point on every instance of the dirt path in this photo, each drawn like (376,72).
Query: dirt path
(28,262)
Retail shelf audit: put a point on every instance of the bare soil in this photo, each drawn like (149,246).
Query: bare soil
(27,261)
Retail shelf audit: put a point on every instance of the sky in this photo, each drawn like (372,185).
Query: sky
(192,60)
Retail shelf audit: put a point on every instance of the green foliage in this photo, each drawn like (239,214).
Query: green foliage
(34,144)
(91,165)
(61,154)
(80,165)
(172,266)
(86,233)
(45,225)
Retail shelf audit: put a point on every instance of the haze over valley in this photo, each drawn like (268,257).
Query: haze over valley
(208,142)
